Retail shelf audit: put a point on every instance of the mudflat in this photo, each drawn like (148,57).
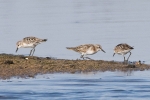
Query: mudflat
(27,66)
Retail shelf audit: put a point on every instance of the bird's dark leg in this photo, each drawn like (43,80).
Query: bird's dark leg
(124,59)
(113,54)
(88,58)
(30,52)
(82,56)
(33,51)
(129,56)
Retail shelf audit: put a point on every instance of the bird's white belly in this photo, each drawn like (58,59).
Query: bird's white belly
(124,52)
(90,52)
(27,45)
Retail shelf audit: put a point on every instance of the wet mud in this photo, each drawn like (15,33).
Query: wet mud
(25,66)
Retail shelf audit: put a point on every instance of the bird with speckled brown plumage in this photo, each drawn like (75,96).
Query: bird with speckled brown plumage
(29,42)
(123,49)
(86,49)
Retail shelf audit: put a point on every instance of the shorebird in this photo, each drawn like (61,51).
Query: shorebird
(29,42)
(87,49)
(123,49)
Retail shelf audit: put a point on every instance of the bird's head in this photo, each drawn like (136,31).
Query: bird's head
(99,48)
(19,45)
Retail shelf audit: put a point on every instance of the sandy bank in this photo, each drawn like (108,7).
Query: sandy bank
(22,66)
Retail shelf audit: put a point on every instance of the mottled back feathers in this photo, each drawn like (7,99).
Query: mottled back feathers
(33,40)
(83,48)
(122,47)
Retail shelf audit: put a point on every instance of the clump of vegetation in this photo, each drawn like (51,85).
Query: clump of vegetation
(8,62)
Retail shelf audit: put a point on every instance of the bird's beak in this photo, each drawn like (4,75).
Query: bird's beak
(113,54)
(16,49)
(103,50)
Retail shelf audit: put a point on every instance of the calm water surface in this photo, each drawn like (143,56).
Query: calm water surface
(83,86)
(70,23)
(73,22)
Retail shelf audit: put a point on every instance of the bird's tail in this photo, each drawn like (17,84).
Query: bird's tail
(70,48)
(73,48)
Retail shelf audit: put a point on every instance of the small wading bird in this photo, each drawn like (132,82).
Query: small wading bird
(123,49)
(86,49)
(29,42)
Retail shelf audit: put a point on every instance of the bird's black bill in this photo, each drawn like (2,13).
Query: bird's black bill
(103,51)
(113,54)
(16,49)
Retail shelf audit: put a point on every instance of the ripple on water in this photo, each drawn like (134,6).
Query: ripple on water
(100,85)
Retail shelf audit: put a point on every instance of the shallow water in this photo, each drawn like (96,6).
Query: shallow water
(83,86)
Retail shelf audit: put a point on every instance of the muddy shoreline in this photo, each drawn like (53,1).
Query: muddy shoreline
(25,66)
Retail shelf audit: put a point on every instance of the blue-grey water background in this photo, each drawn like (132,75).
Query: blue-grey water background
(84,86)
(68,23)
